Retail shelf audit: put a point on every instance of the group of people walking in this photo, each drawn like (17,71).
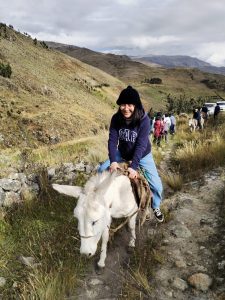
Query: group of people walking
(161,125)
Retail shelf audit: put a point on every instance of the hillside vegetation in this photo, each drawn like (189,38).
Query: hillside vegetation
(175,81)
(50,97)
(40,243)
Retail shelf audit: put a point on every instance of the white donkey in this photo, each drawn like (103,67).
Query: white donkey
(105,196)
(193,124)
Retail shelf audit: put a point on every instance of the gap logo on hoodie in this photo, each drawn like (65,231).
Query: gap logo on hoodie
(127,135)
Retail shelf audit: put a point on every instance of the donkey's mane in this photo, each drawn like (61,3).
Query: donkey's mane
(95,182)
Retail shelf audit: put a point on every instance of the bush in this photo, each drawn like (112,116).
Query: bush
(183,103)
(44,45)
(154,80)
(5,70)
(214,84)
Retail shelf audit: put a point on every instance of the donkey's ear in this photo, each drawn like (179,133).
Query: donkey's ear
(69,190)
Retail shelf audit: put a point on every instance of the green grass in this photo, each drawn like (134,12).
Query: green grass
(91,149)
(45,230)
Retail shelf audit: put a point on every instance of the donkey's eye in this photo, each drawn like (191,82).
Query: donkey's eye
(94,222)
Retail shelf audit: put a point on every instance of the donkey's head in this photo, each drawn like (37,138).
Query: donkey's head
(91,211)
(93,219)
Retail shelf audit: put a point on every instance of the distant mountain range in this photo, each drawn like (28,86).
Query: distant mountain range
(113,63)
(173,61)
(120,66)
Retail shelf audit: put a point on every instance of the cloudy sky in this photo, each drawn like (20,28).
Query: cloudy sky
(133,27)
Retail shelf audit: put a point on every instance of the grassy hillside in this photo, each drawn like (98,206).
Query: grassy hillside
(175,81)
(50,96)
(53,98)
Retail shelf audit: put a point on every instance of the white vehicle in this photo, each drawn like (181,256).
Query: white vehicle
(211,107)
(221,105)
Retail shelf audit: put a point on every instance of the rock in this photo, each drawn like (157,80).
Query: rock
(220,279)
(180,284)
(2,281)
(163,276)
(165,242)
(206,221)
(169,294)
(200,281)
(2,196)
(221,265)
(95,281)
(68,168)
(18,176)
(27,261)
(88,169)
(70,177)
(51,172)
(181,231)
(10,185)
(80,166)
(10,198)
(180,264)
(91,294)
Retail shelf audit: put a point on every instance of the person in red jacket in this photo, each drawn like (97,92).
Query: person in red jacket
(158,128)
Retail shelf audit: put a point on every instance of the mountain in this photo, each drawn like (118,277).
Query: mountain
(120,66)
(50,97)
(174,61)
(180,61)
(176,80)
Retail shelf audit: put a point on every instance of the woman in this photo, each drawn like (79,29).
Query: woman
(129,141)
(158,130)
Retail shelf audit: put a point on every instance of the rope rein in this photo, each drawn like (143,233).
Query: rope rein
(112,231)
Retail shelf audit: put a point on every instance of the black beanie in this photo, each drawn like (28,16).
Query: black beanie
(129,96)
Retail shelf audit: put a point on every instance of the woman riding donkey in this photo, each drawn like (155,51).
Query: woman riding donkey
(129,141)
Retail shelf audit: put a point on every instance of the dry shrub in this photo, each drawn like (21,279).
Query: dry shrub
(200,155)
(173,180)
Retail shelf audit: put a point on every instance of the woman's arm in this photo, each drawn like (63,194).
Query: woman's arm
(113,140)
(141,143)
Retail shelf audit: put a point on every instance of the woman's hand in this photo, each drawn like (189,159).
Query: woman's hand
(114,166)
(132,173)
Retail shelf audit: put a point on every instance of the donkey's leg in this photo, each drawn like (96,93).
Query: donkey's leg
(132,223)
(105,238)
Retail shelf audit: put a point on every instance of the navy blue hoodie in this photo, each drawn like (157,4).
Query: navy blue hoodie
(132,142)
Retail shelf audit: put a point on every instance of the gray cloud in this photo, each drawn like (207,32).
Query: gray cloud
(186,27)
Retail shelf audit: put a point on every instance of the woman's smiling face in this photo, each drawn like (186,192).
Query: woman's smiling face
(127,110)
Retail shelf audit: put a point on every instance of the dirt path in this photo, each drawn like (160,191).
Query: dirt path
(191,242)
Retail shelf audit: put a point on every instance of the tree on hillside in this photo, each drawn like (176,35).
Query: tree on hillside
(5,70)
(44,45)
(183,103)
(154,80)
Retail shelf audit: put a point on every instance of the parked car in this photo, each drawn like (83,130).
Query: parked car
(211,107)
(221,105)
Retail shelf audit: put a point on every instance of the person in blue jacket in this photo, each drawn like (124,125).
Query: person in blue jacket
(129,141)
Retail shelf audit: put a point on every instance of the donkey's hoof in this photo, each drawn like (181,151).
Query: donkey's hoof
(99,270)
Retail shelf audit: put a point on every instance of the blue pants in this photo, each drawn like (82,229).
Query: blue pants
(148,165)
